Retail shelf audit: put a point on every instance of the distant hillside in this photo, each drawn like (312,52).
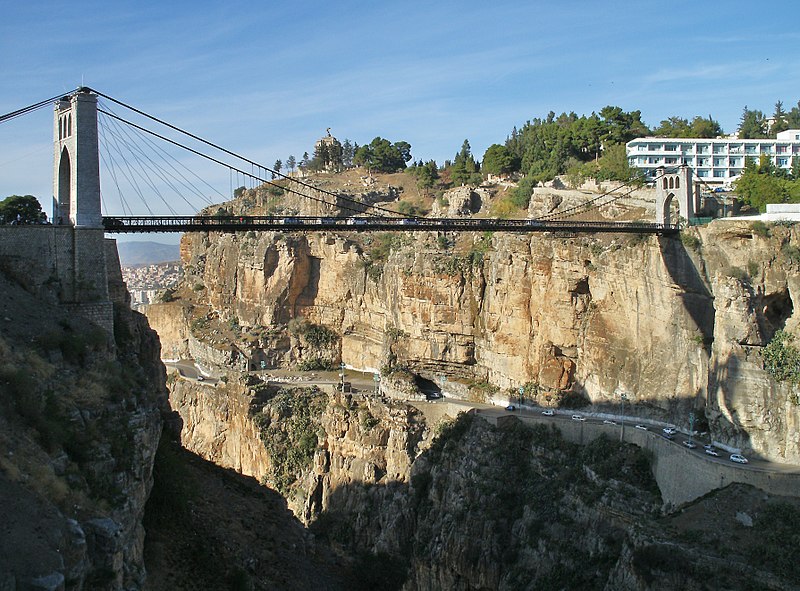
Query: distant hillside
(146,253)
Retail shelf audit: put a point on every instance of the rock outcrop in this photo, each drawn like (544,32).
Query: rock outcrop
(80,421)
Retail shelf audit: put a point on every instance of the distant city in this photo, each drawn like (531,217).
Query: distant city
(146,282)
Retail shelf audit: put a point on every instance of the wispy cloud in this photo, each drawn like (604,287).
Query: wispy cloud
(714,72)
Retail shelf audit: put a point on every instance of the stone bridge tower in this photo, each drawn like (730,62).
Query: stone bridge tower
(76,164)
(674,185)
(80,247)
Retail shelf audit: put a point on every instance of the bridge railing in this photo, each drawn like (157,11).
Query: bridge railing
(232,223)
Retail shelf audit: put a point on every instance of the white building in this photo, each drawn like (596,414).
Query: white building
(717,161)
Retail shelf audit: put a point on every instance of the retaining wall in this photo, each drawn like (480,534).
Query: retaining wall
(61,264)
(681,474)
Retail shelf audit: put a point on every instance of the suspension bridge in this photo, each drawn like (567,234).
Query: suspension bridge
(136,151)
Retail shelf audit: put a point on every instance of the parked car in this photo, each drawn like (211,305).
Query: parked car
(669,430)
(547,413)
(607,422)
(641,427)
(578,418)
(738,458)
(511,407)
(690,444)
(668,436)
(712,452)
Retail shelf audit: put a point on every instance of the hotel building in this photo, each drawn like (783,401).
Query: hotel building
(714,161)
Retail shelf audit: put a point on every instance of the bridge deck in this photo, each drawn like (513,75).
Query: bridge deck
(129,224)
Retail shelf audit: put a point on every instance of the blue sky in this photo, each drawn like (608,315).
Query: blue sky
(266,79)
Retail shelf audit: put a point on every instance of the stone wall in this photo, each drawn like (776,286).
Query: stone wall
(63,264)
(682,475)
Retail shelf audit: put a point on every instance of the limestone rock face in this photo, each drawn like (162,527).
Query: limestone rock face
(678,328)
(461,202)
(216,424)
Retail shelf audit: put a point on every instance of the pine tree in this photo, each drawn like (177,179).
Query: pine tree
(779,122)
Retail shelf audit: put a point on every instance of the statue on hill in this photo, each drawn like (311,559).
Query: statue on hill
(327,154)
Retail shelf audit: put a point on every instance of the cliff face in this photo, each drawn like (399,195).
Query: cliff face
(676,326)
(410,501)
(80,420)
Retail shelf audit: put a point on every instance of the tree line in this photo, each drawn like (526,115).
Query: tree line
(577,147)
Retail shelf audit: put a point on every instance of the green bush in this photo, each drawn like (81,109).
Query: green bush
(690,241)
(759,228)
(782,358)
(737,273)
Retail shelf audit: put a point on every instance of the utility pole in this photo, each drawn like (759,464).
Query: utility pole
(623,397)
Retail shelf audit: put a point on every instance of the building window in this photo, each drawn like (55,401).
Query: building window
(719,161)
(719,174)
(669,148)
(750,149)
(702,173)
(783,162)
(719,148)
(703,148)
(782,149)
(654,147)
(670,160)
(736,161)
(766,149)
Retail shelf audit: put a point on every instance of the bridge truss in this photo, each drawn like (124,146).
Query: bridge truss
(230,223)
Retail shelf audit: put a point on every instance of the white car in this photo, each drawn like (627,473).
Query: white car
(641,427)
(578,418)
(738,458)
(607,422)
(669,430)
(712,452)
(547,413)
(690,444)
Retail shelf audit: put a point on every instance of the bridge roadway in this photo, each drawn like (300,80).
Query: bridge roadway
(217,223)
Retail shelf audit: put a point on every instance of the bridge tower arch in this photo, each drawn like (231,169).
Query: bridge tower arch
(674,185)
(76,161)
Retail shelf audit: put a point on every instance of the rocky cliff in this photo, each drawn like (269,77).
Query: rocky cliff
(677,325)
(417,502)
(80,420)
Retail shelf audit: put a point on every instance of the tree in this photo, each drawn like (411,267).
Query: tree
(291,163)
(382,156)
(613,165)
(426,174)
(277,168)
(304,162)
(673,127)
(779,122)
(753,125)
(499,160)
(23,209)
(705,128)
(621,127)
(793,117)
(465,171)
(347,154)
(763,183)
